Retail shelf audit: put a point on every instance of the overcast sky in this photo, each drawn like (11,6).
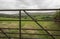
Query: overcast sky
(29,4)
(34,4)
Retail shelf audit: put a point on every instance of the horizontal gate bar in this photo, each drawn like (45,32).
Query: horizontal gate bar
(40,29)
(28,29)
(30,38)
(31,34)
(11,28)
(37,34)
(10,37)
(25,20)
(28,9)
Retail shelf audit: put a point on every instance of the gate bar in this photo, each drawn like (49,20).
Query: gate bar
(20,24)
(4,33)
(39,24)
(28,9)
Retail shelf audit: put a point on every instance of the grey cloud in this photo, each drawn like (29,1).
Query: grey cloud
(28,4)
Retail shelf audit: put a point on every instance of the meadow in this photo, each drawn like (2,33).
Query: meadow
(30,25)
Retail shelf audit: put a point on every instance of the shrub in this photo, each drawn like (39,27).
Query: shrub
(57,17)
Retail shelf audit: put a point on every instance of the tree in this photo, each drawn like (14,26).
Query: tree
(57,17)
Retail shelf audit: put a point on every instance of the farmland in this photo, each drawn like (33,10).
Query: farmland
(30,25)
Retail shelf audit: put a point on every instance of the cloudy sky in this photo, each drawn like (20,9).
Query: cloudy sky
(29,4)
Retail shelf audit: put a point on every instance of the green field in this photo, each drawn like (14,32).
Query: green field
(31,25)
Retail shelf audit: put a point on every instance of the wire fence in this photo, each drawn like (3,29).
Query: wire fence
(19,29)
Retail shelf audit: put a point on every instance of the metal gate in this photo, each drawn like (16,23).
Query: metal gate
(33,19)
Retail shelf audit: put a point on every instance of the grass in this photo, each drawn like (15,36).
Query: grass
(29,24)
(3,18)
(9,24)
(45,24)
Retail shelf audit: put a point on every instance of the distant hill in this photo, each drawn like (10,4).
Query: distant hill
(23,14)
(9,15)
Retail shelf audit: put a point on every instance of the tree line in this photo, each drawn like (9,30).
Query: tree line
(9,15)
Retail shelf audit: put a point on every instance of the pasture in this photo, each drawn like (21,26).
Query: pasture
(30,25)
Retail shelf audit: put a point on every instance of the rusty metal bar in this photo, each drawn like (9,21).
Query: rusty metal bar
(36,34)
(4,33)
(28,9)
(39,24)
(28,29)
(20,24)
(41,29)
